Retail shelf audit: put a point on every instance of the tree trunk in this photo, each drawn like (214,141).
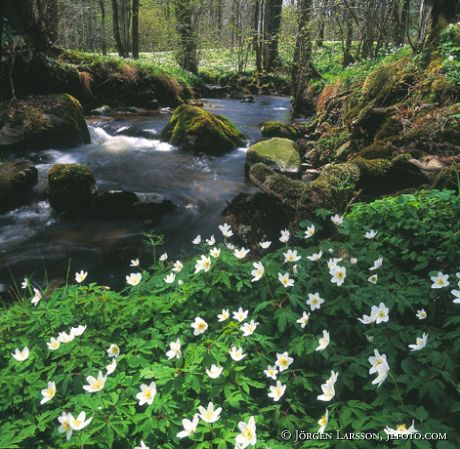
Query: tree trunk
(348,39)
(136,29)
(274,26)
(302,67)
(116,29)
(258,34)
(187,56)
(434,15)
(103,40)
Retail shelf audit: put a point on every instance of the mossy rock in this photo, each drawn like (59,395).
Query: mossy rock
(195,129)
(17,179)
(389,83)
(382,176)
(390,128)
(278,129)
(71,188)
(377,150)
(331,190)
(448,178)
(42,121)
(279,154)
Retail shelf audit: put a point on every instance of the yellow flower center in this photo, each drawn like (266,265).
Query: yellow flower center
(98,384)
(148,394)
(283,363)
(401,428)
(323,421)
(247,433)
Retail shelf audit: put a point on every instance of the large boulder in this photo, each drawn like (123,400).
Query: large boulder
(279,154)
(71,188)
(195,129)
(272,128)
(42,121)
(256,217)
(332,189)
(17,178)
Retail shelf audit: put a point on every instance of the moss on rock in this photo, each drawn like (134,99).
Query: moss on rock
(71,188)
(279,154)
(448,178)
(278,129)
(17,178)
(42,121)
(195,129)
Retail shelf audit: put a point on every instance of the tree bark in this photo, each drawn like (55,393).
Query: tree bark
(116,29)
(136,29)
(187,56)
(302,66)
(434,15)
(103,39)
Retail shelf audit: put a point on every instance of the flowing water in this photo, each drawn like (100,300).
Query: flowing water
(34,241)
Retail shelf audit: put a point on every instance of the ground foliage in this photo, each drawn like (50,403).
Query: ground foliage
(417,236)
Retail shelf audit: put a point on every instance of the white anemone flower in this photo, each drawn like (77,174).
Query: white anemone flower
(241,253)
(440,280)
(178,266)
(271,372)
(258,271)
(323,422)
(48,393)
(65,337)
(338,275)
(147,394)
(211,241)
(265,245)
(421,314)
(314,301)
(328,388)
(373,279)
(64,421)
(291,256)
(142,446)
(164,257)
(134,263)
(113,351)
(175,350)
(285,236)
(197,240)
(95,384)
(370,235)
(283,361)
(456,294)
(310,232)
(111,367)
(203,264)
(209,414)
(189,426)
(80,422)
(53,344)
(37,297)
(223,316)
(236,353)
(215,252)
(377,264)
(249,328)
(277,391)
(247,434)
(401,430)
(240,315)
(170,278)
(337,219)
(214,372)
(81,276)
(323,342)
(199,326)
(21,355)
(420,343)
(134,279)
(285,280)
(303,320)
(315,256)
(226,230)
(380,314)
(77,331)
(380,366)
(25,283)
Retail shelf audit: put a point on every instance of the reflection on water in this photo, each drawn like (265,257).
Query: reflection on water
(124,154)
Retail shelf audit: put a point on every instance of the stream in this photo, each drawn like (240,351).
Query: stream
(36,242)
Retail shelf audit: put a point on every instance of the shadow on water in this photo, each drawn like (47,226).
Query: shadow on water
(124,154)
